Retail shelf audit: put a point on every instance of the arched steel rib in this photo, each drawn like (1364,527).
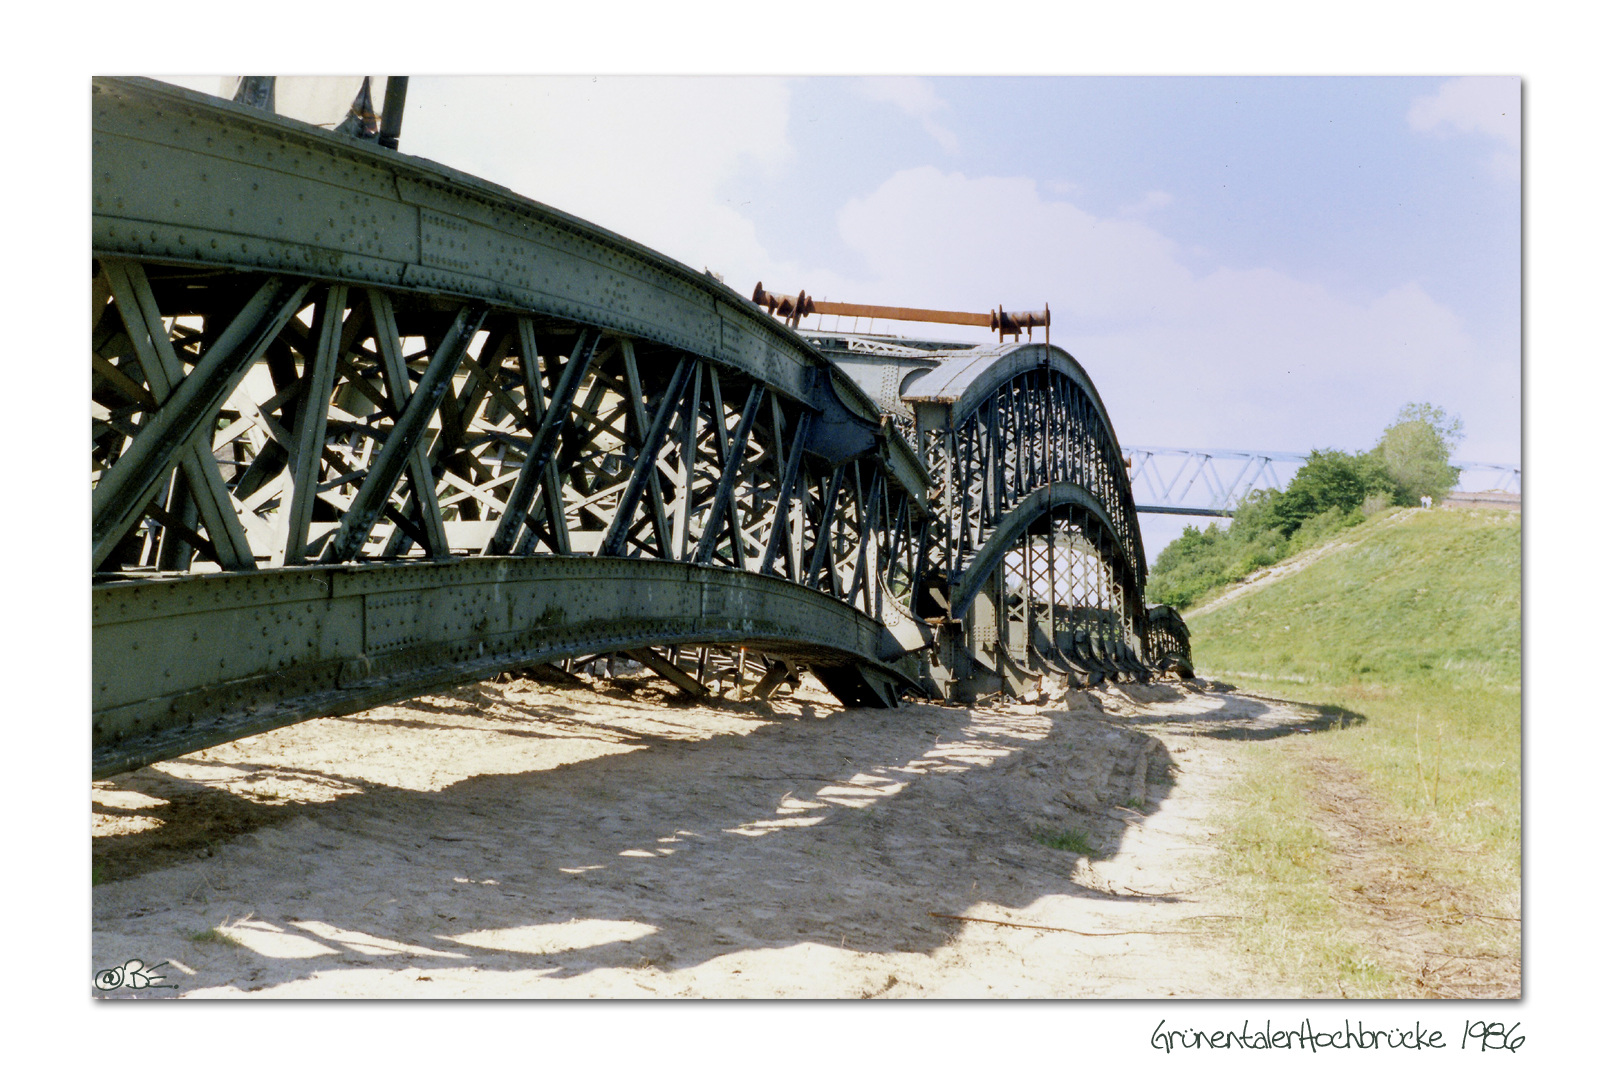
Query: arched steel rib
(1014,525)
(186,178)
(188,661)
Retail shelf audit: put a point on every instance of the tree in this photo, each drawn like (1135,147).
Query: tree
(1330,480)
(1416,449)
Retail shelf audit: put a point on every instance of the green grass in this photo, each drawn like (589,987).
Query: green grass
(1278,859)
(213,936)
(1417,629)
(1073,840)
(1434,600)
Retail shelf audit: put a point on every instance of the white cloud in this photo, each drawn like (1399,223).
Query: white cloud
(916,98)
(1152,200)
(1484,105)
(973,243)
(644,157)
(1236,357)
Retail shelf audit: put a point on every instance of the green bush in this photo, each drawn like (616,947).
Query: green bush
(1333,491)
(1321,527)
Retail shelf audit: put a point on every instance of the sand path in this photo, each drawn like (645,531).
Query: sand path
(529,840)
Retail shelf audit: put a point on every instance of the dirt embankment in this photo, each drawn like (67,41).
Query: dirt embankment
(527,840)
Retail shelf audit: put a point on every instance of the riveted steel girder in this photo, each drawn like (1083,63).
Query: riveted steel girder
(187,661)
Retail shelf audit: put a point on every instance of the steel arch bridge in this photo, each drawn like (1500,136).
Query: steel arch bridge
(363,426)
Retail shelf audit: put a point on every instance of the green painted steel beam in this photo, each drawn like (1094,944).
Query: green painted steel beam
(183,662)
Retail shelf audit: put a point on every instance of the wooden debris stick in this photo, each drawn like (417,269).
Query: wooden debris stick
(1058,929)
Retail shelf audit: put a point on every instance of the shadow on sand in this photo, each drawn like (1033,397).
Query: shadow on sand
(844,828)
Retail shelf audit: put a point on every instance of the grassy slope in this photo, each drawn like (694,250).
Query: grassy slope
(1417,628)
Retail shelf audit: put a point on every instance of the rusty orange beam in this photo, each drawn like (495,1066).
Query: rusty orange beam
(793,308)
(875,311)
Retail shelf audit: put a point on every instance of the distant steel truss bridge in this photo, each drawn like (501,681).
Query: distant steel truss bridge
(1213,483)
(363,426)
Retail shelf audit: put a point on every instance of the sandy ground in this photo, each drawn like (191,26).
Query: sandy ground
(530,840)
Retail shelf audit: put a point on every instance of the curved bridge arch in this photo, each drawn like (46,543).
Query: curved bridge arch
(1022,454)
(1031,516)
(1167,640)
(363,425)
(998,422)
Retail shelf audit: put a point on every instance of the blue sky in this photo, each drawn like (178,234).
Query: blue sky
(1268,263)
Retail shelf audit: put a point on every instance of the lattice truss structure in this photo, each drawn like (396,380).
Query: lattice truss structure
(1061,610)
(362,426)
(1029,461)
(1215,482)
(385,426)
(1212,481)
(325,424)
